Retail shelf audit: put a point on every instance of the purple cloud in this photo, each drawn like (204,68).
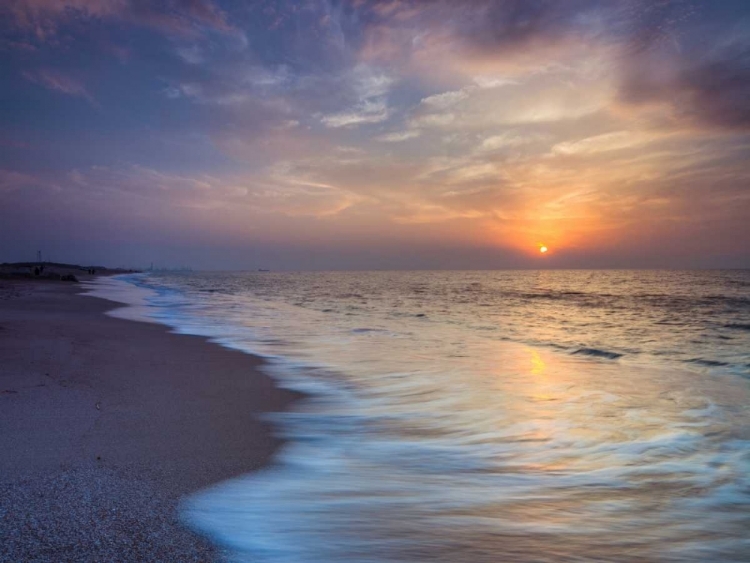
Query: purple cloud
(177,17)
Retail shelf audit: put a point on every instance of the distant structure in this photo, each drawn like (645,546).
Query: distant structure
(39,256)
(168,269)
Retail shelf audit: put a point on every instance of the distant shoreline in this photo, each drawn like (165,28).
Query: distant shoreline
(108,423)
(56,271)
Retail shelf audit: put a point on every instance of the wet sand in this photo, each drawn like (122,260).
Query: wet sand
(105,424)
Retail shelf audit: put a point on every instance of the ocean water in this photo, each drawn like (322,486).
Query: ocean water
(482,416)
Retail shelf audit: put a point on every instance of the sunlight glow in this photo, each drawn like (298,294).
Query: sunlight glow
(537,363)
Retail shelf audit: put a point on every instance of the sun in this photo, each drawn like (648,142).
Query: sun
(543,249)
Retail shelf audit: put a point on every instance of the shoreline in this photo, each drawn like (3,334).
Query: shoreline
(107,423)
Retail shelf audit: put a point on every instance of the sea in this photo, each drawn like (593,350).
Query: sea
(481,416)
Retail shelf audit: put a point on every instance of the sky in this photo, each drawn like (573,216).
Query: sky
(363,134)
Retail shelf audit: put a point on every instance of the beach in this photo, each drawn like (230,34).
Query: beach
(106,424)
(530,416)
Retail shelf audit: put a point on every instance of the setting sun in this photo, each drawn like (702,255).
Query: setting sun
(543,249)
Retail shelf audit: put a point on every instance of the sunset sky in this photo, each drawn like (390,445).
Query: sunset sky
(362,134)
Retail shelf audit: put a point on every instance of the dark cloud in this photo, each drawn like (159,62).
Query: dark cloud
(711,89)
(482,27)
(514,24)
(720,90)
(691,56)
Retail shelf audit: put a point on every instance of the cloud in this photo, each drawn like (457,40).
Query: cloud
(509,139)
(370,88)
(494,81)
(704,87)
(693,58)
(616,140)
(370,82)
(42,18)
(11,180)
(493,38)
(540,99)
(280,191)
(192,54)
(366,112)
(399,136)
(60,82)
(445,100)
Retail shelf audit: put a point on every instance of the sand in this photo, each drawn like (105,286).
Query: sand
(105,424)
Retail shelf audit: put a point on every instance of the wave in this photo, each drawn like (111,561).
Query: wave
(598,353)
(707,363)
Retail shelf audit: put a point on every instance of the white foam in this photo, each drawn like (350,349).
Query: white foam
(120,289)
